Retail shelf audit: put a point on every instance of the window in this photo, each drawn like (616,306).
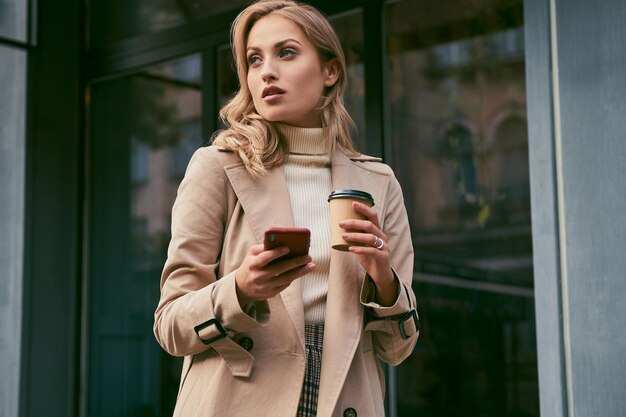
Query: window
(456,93)
(143,124)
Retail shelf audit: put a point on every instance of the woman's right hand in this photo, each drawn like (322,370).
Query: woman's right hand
(258,278)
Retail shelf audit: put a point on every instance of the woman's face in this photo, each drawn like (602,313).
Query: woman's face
(285,75)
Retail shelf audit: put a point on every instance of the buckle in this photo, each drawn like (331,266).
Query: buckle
(220,328)
(411,314)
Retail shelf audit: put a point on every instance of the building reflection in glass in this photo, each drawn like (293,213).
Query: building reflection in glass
(457,124)
(145,128)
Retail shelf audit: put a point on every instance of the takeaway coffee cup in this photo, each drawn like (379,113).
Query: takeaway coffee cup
(341,209)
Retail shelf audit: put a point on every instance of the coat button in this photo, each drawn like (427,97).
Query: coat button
(246,343)
(349,412)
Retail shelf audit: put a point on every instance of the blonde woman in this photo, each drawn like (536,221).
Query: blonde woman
(264,336)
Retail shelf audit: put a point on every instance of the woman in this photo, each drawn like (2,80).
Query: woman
(296,337)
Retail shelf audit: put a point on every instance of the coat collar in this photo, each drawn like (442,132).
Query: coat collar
(266,203)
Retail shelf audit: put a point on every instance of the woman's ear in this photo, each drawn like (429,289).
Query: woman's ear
(331,72)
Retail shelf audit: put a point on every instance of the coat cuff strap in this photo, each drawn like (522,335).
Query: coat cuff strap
(409,324)
(208,336)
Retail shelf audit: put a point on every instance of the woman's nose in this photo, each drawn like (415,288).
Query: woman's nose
(268,71)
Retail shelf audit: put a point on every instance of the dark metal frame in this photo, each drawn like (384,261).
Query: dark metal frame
(49,366)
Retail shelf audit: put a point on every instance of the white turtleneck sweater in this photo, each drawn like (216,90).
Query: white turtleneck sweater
(307,172)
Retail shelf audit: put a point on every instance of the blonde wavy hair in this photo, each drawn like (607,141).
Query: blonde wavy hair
(256,140)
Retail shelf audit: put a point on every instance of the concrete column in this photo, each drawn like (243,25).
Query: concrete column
(576,66)
(12,180)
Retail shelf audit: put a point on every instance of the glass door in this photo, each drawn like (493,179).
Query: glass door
(144,128)
(457,133)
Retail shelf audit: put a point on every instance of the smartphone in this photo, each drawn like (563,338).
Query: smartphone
(297,239)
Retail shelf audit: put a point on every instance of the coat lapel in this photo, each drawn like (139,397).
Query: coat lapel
(344,313)
(266,203)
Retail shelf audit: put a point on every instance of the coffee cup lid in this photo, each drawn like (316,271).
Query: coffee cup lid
(361,195)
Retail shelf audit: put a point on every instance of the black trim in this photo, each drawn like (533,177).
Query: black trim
(32,23)
(210,108)
(374,81)
(220,328)
(404,318)
(15,44)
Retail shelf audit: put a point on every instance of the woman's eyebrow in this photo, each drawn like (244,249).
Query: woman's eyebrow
(276,45)
(281,43)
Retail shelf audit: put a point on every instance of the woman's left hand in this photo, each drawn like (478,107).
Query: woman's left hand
(373,255)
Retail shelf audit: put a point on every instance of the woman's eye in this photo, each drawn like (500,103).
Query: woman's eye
(287,53)
(253,59)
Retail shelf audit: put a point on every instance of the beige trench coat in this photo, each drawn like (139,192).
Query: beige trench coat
(252,363)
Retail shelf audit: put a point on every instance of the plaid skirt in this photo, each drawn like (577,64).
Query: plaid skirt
(313,335)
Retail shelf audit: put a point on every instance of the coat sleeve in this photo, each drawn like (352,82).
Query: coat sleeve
(197,310)
(395,329)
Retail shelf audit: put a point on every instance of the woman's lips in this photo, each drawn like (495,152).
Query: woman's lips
(272,93)
(271,98)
